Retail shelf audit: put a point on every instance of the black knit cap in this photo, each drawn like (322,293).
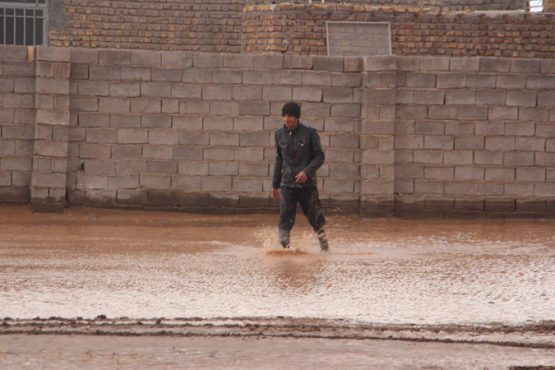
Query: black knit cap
(291,109)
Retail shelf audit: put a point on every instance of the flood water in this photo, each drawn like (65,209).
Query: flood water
(118,263)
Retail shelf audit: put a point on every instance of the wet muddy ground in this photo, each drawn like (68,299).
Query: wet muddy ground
(433,280)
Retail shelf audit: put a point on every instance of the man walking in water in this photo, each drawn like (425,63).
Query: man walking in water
(298,155)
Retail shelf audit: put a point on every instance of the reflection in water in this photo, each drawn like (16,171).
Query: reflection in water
(88,262)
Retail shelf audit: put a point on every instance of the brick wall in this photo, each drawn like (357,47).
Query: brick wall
(434,4)
(301,29)
(155,129)
(207,25)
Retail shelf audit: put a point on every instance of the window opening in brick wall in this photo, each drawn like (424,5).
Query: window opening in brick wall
(22,22)
(536,5)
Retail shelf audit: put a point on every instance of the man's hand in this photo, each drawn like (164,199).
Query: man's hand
(301,178)
(275,193)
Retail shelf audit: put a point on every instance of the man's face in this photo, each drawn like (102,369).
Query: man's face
(290,121)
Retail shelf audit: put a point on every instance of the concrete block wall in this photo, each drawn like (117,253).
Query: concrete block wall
(413,136)
(188,130)
(474,134)
(17,117)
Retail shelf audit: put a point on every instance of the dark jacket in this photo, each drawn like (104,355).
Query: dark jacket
(297,150)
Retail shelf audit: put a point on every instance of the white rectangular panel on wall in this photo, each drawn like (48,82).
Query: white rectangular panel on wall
(358,38)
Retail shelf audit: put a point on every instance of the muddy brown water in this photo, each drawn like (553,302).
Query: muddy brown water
(89,262)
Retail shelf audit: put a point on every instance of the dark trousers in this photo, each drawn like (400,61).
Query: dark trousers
(310,203)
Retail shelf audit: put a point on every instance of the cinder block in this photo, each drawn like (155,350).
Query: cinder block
(197,75)
(429,127)
(533,114)
(437,142)
(163,137)
(442,112)
(194,107)
(488,157)
(187,122)
(133,74)
(146,105)
(216,92)
(420,80)
(340,95)
(170,106)
(227,77)
(503,113)
(48,180)
(465,96)
(543,190)
(100,88)
(411,112)
(511,81)
(193,138)
(298,61)
(379,63)
(51,86)
(451,80)
(248,92)
(254,139)
(52,118)
(530,144)
(219,154)
(223,168)
(345,110)
(261,77)
(193,168)
(188,153)
(532,174)
(148,58)
(326,63)
(439,173)
(519,190)
(545,99)
(339,125)
(113,105)
(253,169)
(428,156)
(248,123)
(457,157)
(494,64)
(216,183)
(345,141)
(217,123)
(519,129)
(255,108)
(157,151)
(314,78)
(469,173)
(489,189)
(88,150)
(521,98)
(22,164)
(312,94)
(544,159)
(20,132)
(156,120)
(540,82)
(224,139)
(186,183)
(518,158)
(18,69)
(112,56)
(123,182)
(500,143)
(162,166)
(167,75)
(124,120)
(101,135)
(249,154)
(409,142)
(472,113)
(500,174)
(434,63)
(208,60)
(238,61)
(428,187)
(188,91)
(549,145)
(126,152)
(345,79)
(490,97)
(489,128)
(13,53)
(267,61)
(226,108)
(469,142)
(155,181)
(277,93)
(156,89)
(134,197)
(378,96)
(525,66)
(177,59)
(481,81)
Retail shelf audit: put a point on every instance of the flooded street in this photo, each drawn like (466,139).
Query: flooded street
(90,262)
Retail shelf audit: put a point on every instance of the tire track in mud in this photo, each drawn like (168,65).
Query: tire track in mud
(536,335)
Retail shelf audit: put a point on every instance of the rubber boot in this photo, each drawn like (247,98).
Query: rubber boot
(323,239)
(284,238)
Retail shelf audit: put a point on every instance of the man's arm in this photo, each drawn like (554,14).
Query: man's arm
(278,163)
(318,160)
